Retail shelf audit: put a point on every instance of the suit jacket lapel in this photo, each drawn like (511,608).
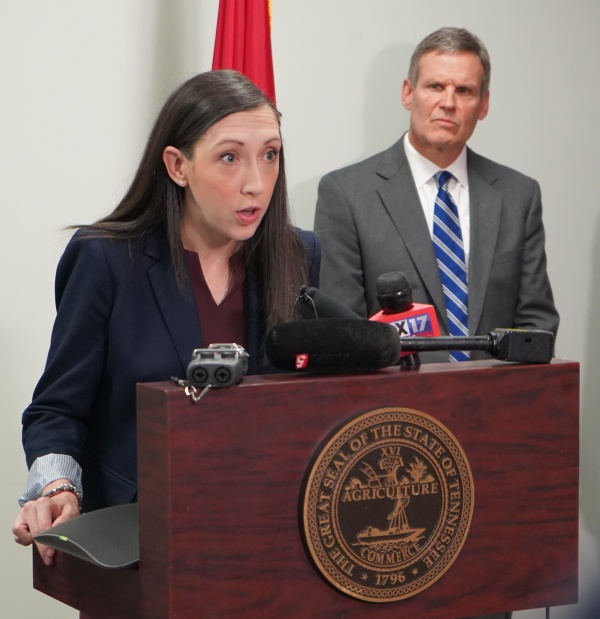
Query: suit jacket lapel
(179,312)
(485,210)
(401,200)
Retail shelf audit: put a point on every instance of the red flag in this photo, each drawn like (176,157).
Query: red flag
(243,41)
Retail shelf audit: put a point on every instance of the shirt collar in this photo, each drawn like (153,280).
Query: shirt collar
(422,169)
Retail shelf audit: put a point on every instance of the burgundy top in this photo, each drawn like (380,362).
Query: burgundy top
(220,323)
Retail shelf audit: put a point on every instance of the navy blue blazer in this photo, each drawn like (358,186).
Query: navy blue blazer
(121,320)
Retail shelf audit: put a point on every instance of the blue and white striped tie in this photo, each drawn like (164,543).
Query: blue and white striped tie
(450,252)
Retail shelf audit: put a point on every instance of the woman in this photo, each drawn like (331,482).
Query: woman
(200,250)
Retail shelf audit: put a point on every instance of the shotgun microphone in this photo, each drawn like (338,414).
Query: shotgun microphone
(332,345)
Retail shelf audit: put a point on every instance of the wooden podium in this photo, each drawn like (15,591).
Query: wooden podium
(220,496)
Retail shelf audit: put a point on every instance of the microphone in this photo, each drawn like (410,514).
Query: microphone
(314,303)
(419,329)
(338,345)
(517,345)
(335,339)
(333,345)
(397,308)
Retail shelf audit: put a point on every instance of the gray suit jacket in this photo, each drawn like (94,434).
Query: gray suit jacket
(370,221)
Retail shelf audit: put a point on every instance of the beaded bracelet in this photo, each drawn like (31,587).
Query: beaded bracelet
(63,488)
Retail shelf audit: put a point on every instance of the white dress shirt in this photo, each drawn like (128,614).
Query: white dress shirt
(424,172)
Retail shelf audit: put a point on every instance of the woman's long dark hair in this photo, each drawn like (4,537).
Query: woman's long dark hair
(154,201)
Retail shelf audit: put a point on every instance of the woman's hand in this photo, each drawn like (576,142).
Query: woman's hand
(41,514)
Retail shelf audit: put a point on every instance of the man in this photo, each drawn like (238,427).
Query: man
(380,215)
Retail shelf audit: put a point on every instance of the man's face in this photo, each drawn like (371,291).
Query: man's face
(445,104)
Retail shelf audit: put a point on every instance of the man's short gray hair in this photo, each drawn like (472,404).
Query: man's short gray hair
(449,41)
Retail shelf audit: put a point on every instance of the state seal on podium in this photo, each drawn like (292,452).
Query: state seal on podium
(388,504)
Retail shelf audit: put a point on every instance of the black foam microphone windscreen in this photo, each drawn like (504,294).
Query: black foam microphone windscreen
(332,345)
(394,292)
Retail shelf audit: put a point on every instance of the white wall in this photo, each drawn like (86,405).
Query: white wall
(82,81)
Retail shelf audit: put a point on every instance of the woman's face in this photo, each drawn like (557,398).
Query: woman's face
(230,178)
